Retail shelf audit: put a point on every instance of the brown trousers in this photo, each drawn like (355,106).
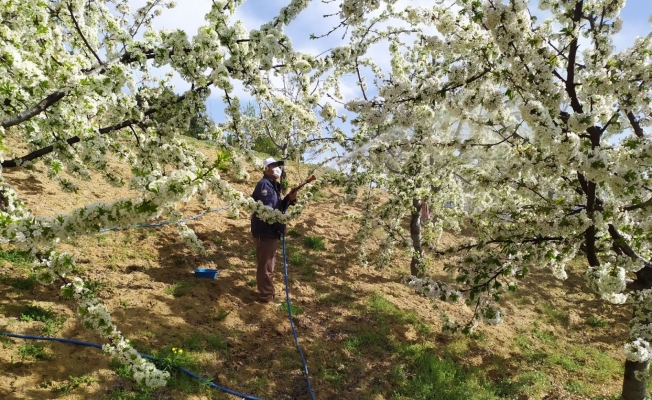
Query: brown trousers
(266,254)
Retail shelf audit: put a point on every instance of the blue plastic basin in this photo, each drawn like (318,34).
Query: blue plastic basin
(206,273)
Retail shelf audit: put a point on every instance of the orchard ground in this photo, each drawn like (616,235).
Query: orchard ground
(365,334)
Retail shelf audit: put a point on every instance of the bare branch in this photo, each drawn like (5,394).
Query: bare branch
(135,135)
(36,110)
(540,239)
(360,83)
(612,119)
(136,26)
(72,15)
(635,124)
(570,68)
(622,244)
(75,139)
(493,144)
(341,24)
(561,78)
(54,97)
(327,139)
(644,204)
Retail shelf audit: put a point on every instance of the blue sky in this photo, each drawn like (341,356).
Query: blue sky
(189,15)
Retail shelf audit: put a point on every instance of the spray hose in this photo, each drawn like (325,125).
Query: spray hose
(97,346)
(294,332)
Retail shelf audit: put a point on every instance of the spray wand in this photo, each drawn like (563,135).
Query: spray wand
(304,183)
(295,189)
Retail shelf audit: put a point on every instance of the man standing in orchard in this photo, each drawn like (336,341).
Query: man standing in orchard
(266,236)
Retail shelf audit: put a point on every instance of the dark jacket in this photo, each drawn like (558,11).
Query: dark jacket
(268,192)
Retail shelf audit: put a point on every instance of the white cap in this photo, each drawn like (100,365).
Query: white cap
(271,160)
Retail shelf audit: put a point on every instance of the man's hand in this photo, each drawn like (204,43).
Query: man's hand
(292,196)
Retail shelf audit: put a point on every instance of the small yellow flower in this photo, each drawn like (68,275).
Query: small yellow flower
(180,351)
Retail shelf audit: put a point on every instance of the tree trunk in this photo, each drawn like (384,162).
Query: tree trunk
(416,268)
(633,389)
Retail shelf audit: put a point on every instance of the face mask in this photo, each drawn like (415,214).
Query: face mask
(277,172)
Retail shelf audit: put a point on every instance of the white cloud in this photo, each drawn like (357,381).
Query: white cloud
(189,15)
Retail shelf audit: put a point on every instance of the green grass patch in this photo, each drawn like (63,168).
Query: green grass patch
(381,307)
(28,283)
(200,342)
(549,355)
(335,298)
(36,313)
(141,345)
(258,384)
(568,363)
(555,315)
(217,240)
(179,289)
(314,243)
(530,384)
(422,375)
(123,394)
(544,352)
(188,385)
(215,342)
(296,310)
(94,287)
(334,376)
(320,195)
(293,232)
(193,342)
(122,370)
(600,366)
(17,258)
(296,258)
(458,347)
(104,237)
(73,383)
(308,272)
(169,358)
(415,320)
(544,336)
(577,387)
(289,360)
(596,322)
(219,315)
(416,371)
(378,304)
(33,351)
(52,323)
(523,342)
(372,340)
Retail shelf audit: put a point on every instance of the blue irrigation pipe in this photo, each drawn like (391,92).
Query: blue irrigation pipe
(97,346)
(289,306)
